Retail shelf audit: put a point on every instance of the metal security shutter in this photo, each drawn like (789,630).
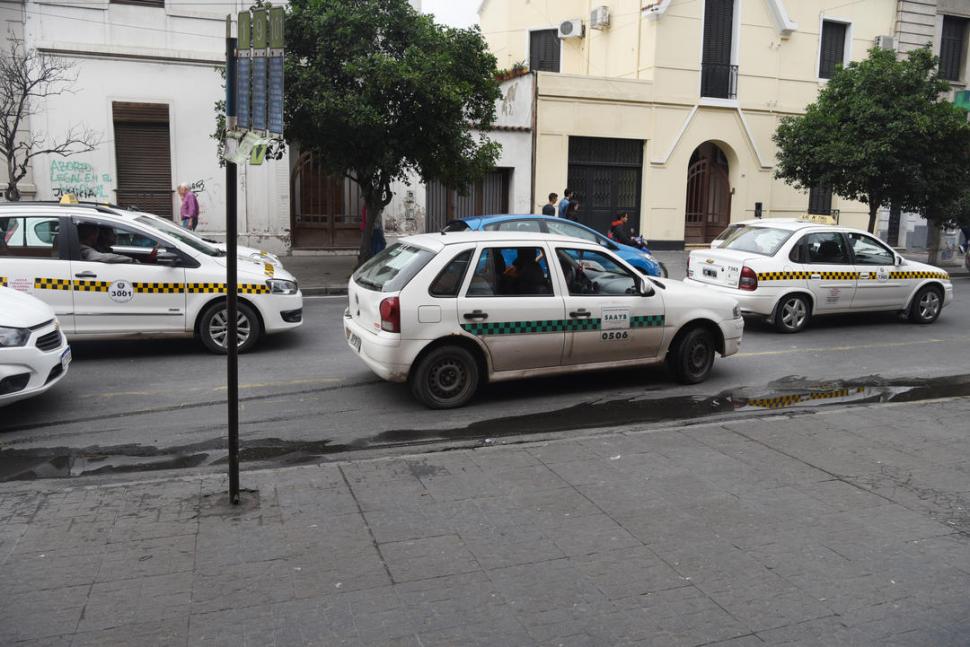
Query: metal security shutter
(820,199)
(488,196)
(951,47)
(718,25)
(544,50)
(833,48)
(144,156)
(606,175)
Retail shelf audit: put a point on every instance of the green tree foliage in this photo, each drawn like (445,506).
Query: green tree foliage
(377,91)
(880,131)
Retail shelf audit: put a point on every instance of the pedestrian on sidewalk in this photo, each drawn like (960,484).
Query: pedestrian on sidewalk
(567,196)
(190,207)
(572,212)
(549,209)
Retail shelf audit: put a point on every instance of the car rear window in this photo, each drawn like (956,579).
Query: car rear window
(757,240)
(392,268)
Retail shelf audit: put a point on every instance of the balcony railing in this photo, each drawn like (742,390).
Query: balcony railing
(719,80)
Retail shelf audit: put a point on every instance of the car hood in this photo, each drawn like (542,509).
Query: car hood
(681,292)
(249,269)
(251,253)
(20,310)
(916,266)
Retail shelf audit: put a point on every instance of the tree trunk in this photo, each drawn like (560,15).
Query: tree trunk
(12,193)
(374,213)
(873,211)
(895,214)
(932,242)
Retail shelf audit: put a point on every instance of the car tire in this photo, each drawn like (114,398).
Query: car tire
(692,358)
(445,378)
(792,313)
(213,325)
(926,305)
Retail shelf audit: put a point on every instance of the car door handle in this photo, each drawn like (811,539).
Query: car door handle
(86,275)
(476,314)
(580,313)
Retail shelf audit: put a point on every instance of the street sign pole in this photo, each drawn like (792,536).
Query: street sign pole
(232,344)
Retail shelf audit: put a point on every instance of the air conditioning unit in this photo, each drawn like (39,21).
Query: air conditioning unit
(599,18)
(571,29)
(885,42)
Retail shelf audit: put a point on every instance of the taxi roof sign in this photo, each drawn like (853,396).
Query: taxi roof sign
(69,198)
(818,219)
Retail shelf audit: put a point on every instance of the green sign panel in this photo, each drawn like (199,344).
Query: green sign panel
(245,30)
(962,100)
(276,28)
(260,28)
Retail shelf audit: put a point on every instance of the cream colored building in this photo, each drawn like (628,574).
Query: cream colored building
(666,108)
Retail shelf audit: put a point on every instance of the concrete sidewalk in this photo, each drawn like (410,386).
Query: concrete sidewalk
(841,527)
(328,274)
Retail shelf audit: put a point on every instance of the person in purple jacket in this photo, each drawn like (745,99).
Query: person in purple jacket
(190,207)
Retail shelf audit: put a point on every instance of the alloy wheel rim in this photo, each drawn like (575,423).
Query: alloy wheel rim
(793,313)
(929,305)
(447,378)
(219,328)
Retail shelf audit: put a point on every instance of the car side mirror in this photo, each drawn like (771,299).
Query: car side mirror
(899,260)
(166,257)
(644,287)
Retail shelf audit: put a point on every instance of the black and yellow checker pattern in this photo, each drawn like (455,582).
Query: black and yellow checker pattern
(541,326)
(269,269)
(41,283)
(84,285)
(3,281)
(920,275)
(783,276)
(158,288)
(782,401)
(220,288)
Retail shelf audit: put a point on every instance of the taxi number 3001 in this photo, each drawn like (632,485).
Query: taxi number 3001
(616,335)
(121,291)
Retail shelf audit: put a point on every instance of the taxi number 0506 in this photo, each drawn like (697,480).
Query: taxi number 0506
(616,335)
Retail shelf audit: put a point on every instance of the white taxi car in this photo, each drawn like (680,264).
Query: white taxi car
(790,270)
(109,274)
(447,311)
(34,355)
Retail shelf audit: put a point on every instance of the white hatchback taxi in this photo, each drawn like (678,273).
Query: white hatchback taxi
(445,312)
(34,355)
(788,271)
(108,274)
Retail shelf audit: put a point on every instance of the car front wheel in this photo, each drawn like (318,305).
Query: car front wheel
(445,378)
(692,358)
(926,305)
(214,327)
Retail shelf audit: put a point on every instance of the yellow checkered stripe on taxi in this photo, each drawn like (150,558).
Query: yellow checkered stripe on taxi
(792,276)
(919,275)
(91,286)
(52,284)
(782,401)
(3,281)
(220,288)
(158,288)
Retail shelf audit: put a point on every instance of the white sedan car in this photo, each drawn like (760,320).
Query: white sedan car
(788,271)
(445,312)
(34,355)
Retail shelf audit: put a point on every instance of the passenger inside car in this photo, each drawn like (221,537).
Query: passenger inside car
(93,241)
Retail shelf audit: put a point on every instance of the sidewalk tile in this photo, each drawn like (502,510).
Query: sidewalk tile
(52,570)
(135,601)
(148,557)
(162,633)
(591,534)
(40,614)
(420,559)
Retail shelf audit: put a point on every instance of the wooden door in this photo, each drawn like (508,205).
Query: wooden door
(708,210)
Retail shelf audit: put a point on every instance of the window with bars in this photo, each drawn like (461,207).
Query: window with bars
(953,44)
(820,200)
(544,50)
(719,77)
(832,52)
(142,3)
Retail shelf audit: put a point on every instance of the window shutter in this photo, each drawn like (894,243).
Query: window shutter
(951,47)
(143,156)
(833,48)
(544,50)
(718,27)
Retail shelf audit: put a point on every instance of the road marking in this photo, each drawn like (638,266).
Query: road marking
(840,349)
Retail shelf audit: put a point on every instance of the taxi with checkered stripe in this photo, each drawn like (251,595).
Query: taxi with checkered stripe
(106,274)
(790,270)
(446,312)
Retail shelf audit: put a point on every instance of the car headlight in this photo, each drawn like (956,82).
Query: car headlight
(737,311)
(281,286)
(10,337)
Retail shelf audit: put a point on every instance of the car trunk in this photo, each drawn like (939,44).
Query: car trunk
(365,306)
(717,266)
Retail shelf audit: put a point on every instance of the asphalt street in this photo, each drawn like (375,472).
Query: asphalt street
(130,405)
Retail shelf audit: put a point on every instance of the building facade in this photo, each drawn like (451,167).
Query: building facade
(666,108)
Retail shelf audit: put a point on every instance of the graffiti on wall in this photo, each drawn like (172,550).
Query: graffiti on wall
(80,178)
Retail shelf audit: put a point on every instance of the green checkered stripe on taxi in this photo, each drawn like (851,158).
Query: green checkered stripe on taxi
(552,325)
(649,321)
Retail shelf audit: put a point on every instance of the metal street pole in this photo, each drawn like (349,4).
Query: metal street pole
(232,342)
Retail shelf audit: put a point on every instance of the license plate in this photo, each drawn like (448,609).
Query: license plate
(710,272)
(66,358)
(355,342)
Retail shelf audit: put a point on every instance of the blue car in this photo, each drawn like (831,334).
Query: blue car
(641,259)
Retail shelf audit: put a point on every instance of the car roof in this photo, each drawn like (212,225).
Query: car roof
(794,224)
(437,242)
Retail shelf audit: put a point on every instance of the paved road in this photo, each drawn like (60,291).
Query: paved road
(160,403)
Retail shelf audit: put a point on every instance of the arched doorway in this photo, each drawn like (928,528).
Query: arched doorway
(325,211)
(708,209)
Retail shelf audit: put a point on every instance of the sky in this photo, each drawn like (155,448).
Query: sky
(455,13)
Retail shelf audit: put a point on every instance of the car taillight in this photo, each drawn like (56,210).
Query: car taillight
(391,314)
(749,280)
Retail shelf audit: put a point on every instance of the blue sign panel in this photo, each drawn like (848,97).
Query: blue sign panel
(259,93)
(276,95)
(243,72)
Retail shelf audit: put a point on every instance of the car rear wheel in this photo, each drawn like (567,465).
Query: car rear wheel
(445,378)
(214,327)
(692,358)
(792,314)
(926,305)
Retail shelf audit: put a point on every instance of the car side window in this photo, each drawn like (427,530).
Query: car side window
(825,248)
(104,242)
(30,236)
(514,225)
(595,273)
(869,252)
(449,280)
(569,229)
(511,271)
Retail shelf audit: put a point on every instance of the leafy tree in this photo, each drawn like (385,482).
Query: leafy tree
(377,91)
(866,134)
(27,79)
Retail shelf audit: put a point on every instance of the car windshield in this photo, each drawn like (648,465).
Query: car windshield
(180,235)
(391,269)
(758,240)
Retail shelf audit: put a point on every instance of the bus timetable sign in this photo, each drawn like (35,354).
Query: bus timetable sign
(259,71)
